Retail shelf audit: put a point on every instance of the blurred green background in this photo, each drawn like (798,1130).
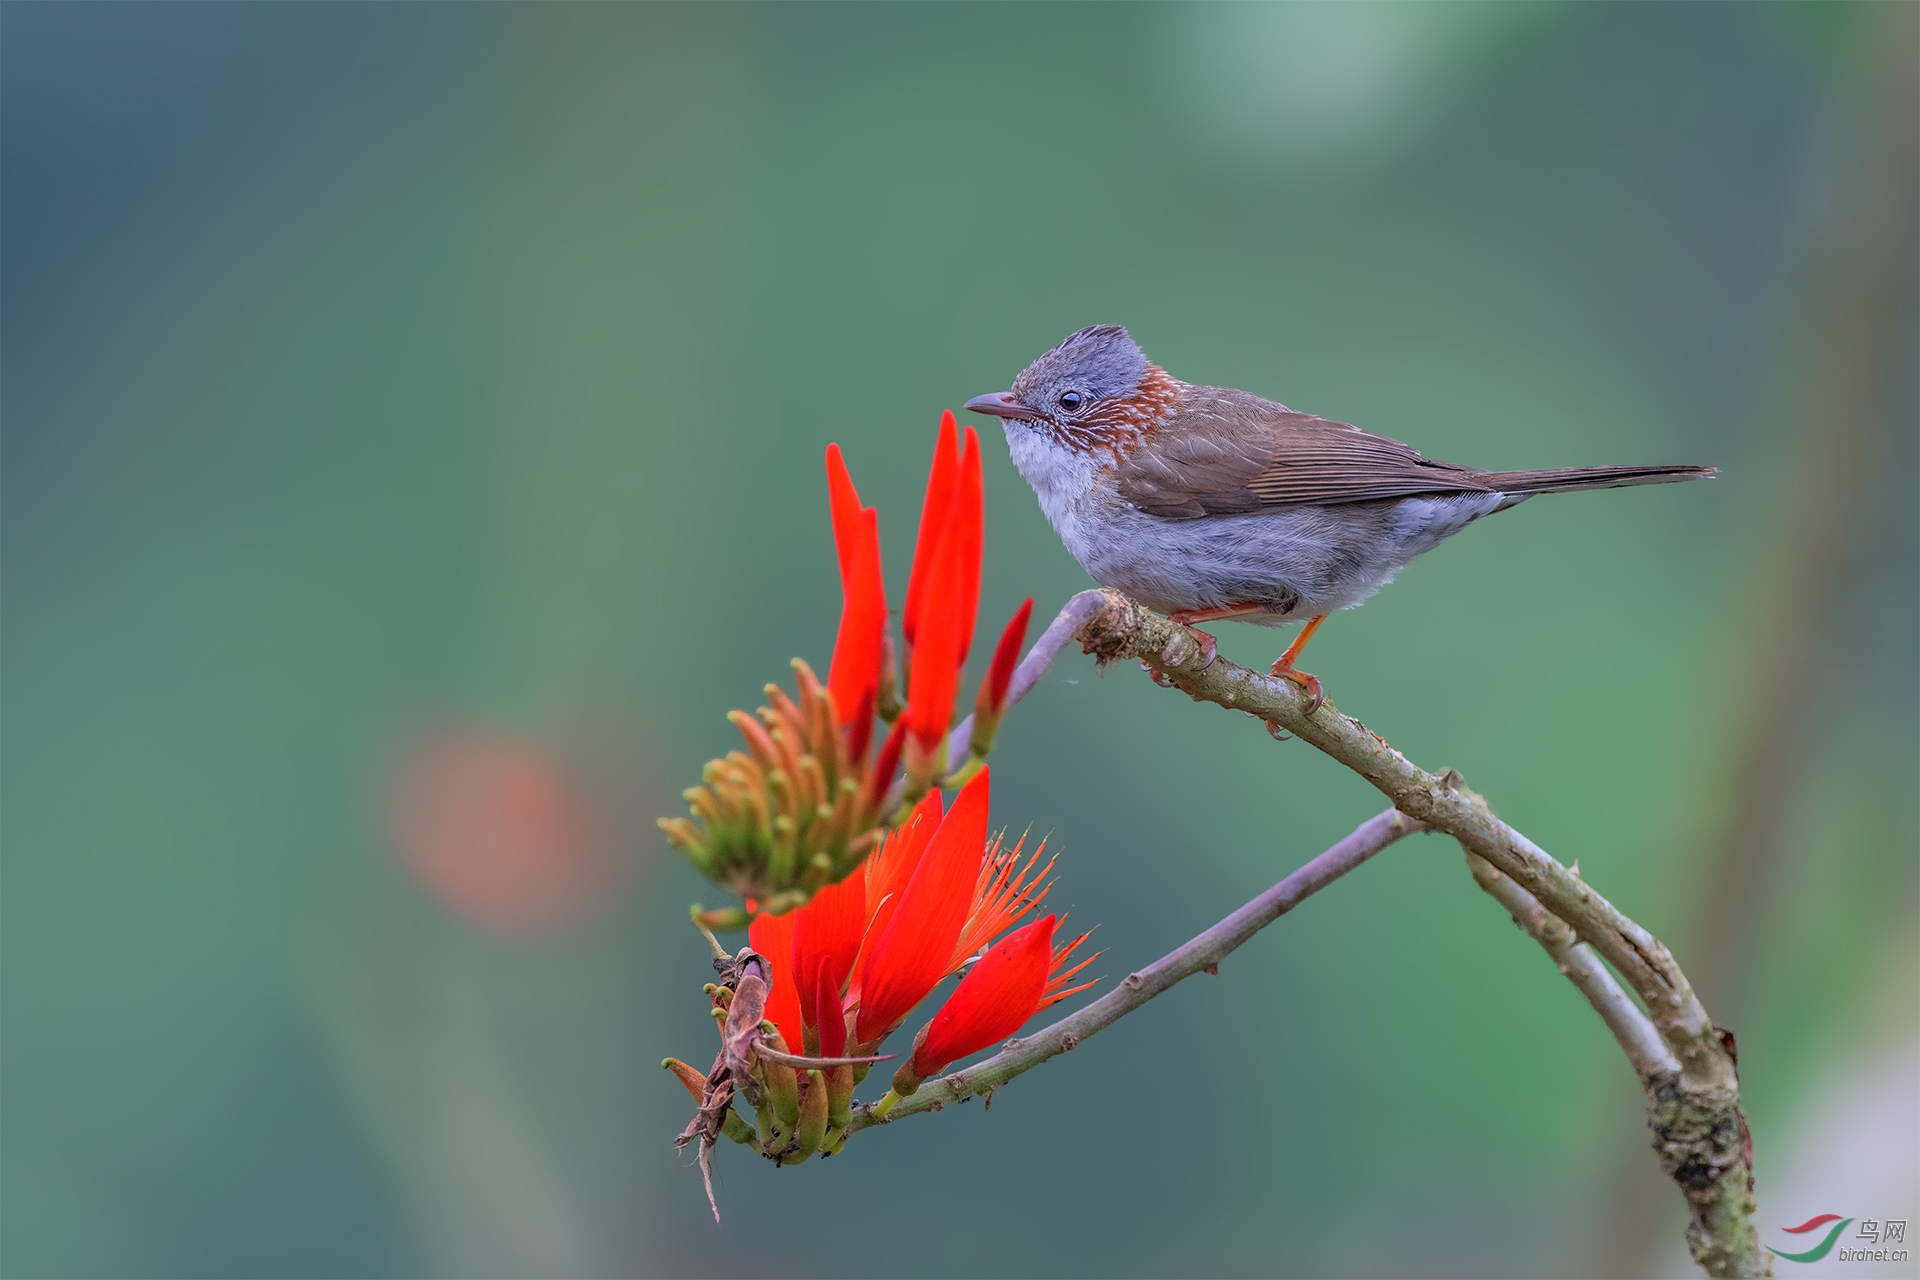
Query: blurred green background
(408,407)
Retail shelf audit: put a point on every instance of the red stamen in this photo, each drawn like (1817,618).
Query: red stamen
(1005,892)
(1057,989)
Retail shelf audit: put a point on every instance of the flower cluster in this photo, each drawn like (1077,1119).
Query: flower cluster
(838,976)
(813,793)
(862,892)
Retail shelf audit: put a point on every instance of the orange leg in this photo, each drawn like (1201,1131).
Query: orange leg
(1187,617)
(1283,665)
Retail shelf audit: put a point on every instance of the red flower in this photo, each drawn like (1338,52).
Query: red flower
(499,830)
(826,940)
(888,872)
(934,510)
(772,937)
(1006,655)
(996,997)
(810,798)
(843,500)
(910,955)
(858,650)
(934,894)
(832,1028)
(943,599)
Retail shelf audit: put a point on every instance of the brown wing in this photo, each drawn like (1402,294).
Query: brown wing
(1231,452)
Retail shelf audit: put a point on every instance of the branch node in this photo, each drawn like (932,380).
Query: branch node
(1114,632)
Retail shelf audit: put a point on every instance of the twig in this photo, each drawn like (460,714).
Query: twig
(1202,953)
(1630,1026)
(1837,413)
(1062,629)
(1700,1135)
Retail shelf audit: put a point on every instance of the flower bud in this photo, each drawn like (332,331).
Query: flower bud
(782,1095)
(792,813)
(694,1080)
(813,1119)
(991,703)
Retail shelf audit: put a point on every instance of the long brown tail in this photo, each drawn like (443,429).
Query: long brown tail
(1566,479)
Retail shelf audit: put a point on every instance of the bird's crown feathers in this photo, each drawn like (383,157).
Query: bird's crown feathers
(1099,362)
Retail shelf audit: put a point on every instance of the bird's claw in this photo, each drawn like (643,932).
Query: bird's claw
(1309,683)
(1209,647)
(1156,675)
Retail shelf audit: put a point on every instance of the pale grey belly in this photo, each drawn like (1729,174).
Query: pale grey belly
(1296,562)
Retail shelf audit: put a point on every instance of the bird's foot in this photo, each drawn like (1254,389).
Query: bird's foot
(1285,670)
(1208,645)
(1156,675)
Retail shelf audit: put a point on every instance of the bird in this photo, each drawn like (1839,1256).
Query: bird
(1207,503)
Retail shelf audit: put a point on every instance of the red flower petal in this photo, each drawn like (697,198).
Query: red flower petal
(833,1019)
(910,957)
(1006,656)
(888,760)
(772,937)
(826,938)
(854,677)
(845,502)
(860,728)
(940,649)
(992,1001)
(933,522)
(889,868)
(969,523)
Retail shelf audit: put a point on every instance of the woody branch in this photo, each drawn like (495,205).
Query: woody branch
(1201,954)
(1685,1064)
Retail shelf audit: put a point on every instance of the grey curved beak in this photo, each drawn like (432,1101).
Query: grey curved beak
(1000,404)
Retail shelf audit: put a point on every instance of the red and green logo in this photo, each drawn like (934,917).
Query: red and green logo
(1820,1250)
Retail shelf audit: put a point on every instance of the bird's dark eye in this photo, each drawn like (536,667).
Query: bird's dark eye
(1070,400)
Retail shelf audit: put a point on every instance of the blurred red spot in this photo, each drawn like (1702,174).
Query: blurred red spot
(496,831)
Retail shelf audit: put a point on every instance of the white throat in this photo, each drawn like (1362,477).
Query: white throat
(1060,477)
